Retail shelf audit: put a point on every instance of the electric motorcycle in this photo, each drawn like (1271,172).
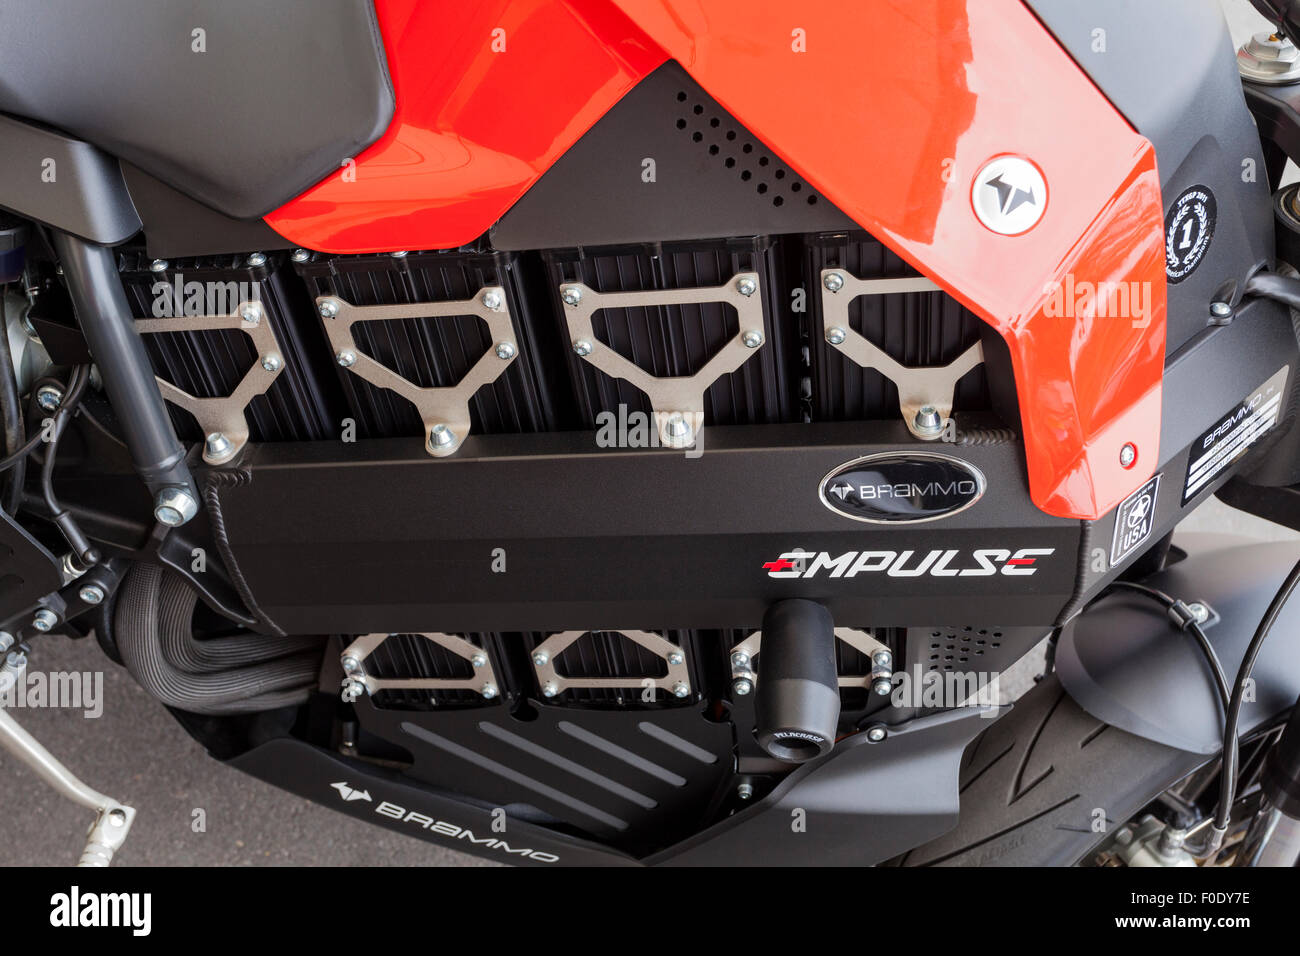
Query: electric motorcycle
(643,431)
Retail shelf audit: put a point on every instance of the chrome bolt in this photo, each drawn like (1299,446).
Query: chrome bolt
(158,265)
(399,254)
(352,689)
(752,338)
(928,421)
(346,359)
(677,428)
(328,308)
(681,689)
(6,641)
(440,436)
(216,447)
(1200,613)
(549,689)
(488,691)
(271,362)
(478,660)
(675,657)
(251,313)
(742,686)
(257,259)
(49,397)
(745,791)
(540,658)
(492,299)
(582,347)
(1220,310)
(877,733)
(505,350)
(882,658)
(44,620)
(882,686)
(300,255)
(833,281)
(1127,455)
(739,660)
(571,295)
(351,665)
(746,286)
(174,506)
(836,336)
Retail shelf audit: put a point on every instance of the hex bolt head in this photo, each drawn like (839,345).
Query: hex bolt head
(44,620)
(216,446)
(877,733)
(257,259)
(928,421)
(49,397)
(1128,455)
(1220,310)
(174,506)
(742,686)
(675,657)
(833,281)
(745,791)
(272,362)
(746,286)
(882,658)
(882,686)
(752,338)
(739,659)
(681,689)
(440,436)
(540,658)
(1200,613)
(492,299)
(353,688)
(91,594)
(300,255)
(581,347)
(251,313)
(158,265)
(549,689)
(571,295)
(488,691)
(478,660)
(836,336)
(505,350)
(346,359)
(328,308)
(351,665)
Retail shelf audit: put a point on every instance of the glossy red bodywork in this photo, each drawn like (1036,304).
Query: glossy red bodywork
(890,111)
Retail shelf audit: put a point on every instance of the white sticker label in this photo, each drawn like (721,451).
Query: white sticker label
(1227,440)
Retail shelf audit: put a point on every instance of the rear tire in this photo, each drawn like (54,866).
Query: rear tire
(1033,783)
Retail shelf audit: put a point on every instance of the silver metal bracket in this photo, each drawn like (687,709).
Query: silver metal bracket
(677,401)
(925,395)
(743,654)
(443,409)
(482,682)
(223,419)
(676,682)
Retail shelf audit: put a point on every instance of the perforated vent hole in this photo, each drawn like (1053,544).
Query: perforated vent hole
(747,159)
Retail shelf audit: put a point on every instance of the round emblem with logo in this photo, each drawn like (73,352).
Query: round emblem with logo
(1009,195)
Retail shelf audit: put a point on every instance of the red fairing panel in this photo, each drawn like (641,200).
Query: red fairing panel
(889,108)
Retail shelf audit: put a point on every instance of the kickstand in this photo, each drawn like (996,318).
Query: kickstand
(112,820)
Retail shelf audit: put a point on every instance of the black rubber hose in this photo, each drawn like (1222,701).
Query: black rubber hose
(154,629)
(12,432)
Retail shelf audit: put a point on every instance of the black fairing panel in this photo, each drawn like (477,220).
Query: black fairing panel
(1169,67)
(277,97)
